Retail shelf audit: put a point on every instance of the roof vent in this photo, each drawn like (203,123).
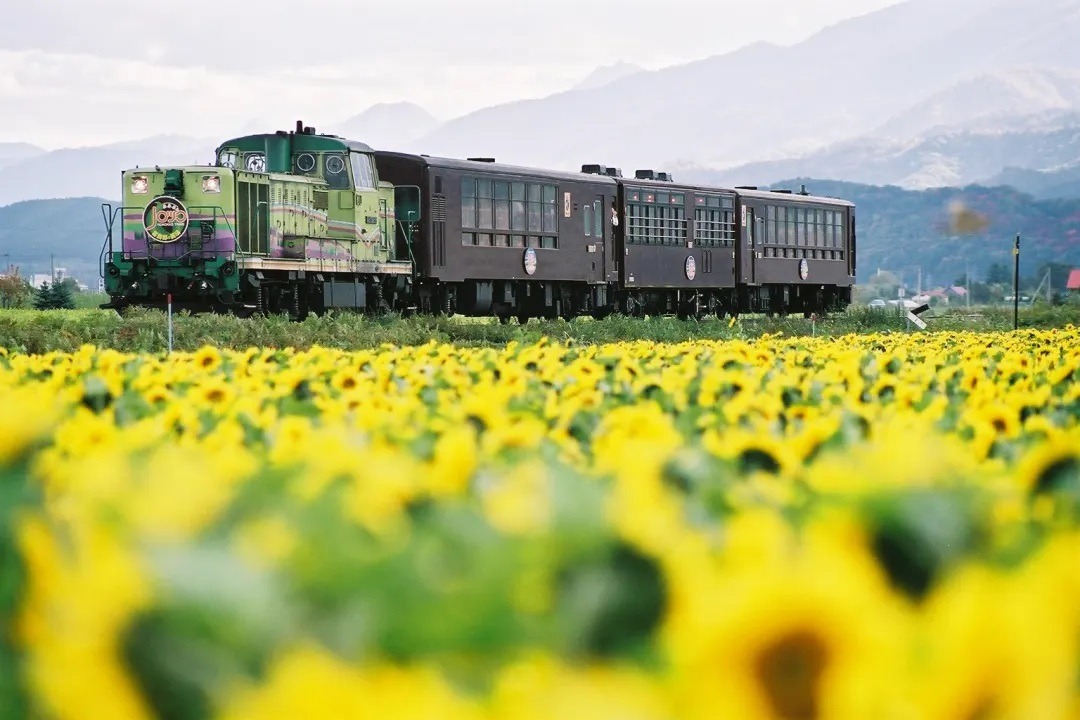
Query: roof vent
(663,177)
(781,192)
(308,130)
(594,169)
(645,175)
(614,172)
(803,191)
(478,159)
(746,187)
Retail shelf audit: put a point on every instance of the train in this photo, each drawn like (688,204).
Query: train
(298,222)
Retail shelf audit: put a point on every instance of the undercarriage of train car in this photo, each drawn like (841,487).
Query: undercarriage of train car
(521,299)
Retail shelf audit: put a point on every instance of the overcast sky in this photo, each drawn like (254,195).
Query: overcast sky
(78,72)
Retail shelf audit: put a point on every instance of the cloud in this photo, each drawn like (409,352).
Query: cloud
(97,72)
(127,98)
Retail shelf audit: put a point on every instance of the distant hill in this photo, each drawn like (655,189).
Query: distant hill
(900,229)
(95,171)
(948,158)
(16,152)
(1062,182)
(608,74)
(988,102)
(387,126)
(71,229)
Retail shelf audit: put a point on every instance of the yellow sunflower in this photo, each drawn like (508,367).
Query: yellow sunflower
(207,358)
(811,636)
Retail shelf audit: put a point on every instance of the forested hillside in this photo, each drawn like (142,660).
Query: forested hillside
(71,229)
(903,229)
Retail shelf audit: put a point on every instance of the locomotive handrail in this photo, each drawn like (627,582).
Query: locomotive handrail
(110,213)
(106,245)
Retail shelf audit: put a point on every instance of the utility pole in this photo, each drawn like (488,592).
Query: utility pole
(7,263)
(52,268)
(967,276)
(1016,283)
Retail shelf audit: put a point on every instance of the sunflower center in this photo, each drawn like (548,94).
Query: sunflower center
(984,709)
(789,671)
(999,425)
(1057,474)
(756,459)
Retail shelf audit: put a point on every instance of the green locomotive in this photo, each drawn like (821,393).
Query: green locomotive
(283,222)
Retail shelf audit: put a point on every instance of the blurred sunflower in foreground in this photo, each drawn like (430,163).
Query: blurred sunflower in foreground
(880,526)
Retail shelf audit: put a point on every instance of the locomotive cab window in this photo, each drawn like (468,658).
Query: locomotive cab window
(363,171)
(227,157)
(336,171)
(305,163)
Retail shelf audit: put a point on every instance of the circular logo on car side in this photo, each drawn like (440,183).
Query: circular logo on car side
(804,269)
(530,261)
(165,219)
(691,268)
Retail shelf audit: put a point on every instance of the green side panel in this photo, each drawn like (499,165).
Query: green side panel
(278,154)
(253,213)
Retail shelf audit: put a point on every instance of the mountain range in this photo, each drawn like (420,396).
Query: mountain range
(959,156)
(920,94)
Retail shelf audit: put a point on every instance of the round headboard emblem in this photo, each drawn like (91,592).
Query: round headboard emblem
(804,269)
(529,261)
(165,219)
(691,268)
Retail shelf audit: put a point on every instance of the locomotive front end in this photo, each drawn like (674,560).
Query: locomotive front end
(176,238)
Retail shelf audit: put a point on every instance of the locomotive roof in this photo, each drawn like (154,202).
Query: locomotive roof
(308,142)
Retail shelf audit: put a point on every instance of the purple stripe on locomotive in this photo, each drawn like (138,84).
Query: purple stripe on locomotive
(135,244)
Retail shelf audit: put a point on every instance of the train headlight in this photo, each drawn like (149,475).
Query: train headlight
(140,185)
(211,183)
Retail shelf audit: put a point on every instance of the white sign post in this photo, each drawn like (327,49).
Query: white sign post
(913,316)
(169,313)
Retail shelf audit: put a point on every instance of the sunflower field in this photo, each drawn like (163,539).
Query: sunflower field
(870,526)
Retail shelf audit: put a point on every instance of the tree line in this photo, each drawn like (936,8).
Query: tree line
(16,292)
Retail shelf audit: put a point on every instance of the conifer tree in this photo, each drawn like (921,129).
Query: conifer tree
(62,297)
(43,298)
